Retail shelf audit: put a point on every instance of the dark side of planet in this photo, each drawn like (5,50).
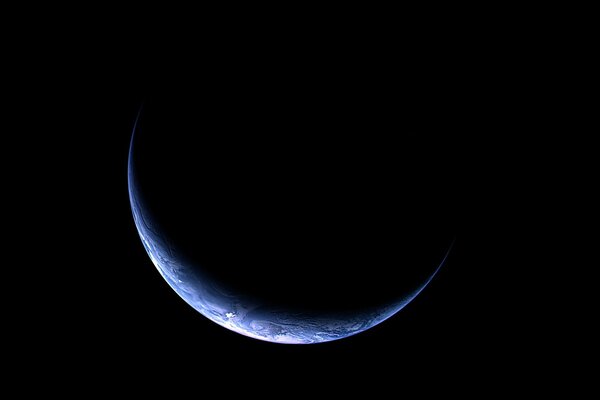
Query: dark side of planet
(293,230)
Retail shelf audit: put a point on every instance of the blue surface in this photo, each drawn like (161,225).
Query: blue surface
(240,314)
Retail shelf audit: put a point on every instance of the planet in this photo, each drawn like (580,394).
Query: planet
(293,239)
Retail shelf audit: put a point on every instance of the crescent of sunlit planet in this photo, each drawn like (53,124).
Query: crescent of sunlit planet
(240,314)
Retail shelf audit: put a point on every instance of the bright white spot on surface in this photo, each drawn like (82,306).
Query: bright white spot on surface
(229,315)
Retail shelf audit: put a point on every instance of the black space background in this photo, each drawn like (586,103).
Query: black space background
(104,306)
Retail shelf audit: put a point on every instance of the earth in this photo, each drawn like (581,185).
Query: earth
(286,226)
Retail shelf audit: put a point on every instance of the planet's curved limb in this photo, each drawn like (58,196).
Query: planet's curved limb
(244,315)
